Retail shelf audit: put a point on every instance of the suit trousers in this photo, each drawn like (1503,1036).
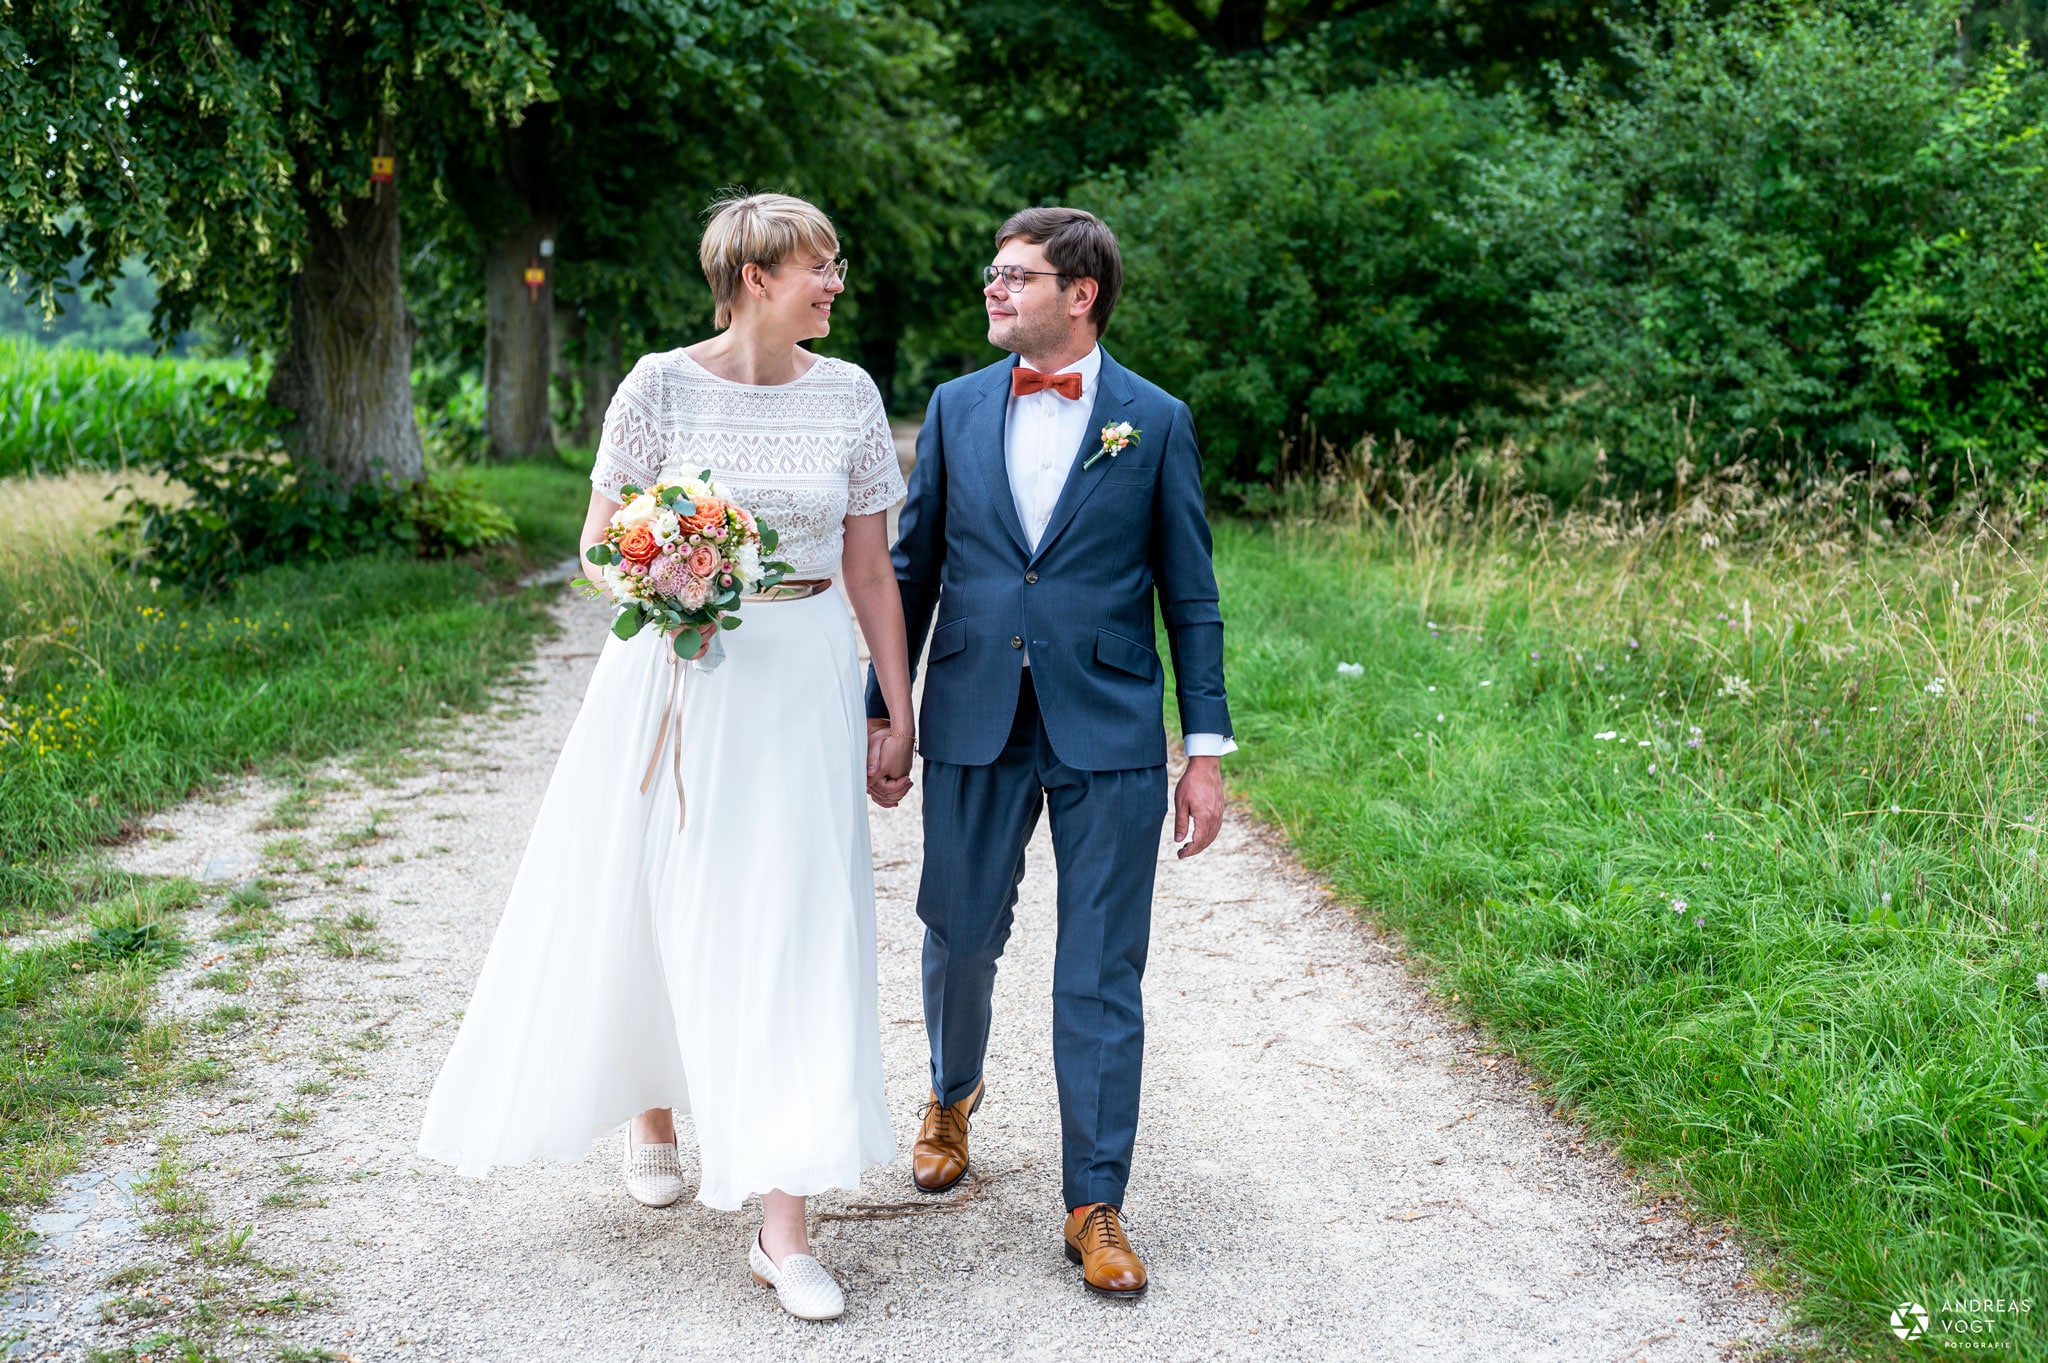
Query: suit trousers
(1105,837)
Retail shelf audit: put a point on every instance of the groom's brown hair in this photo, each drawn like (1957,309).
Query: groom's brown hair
(1077,244)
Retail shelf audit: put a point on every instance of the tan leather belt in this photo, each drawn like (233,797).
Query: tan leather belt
(790,591)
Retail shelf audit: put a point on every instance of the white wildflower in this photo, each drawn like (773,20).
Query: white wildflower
(1736,687)
(1350,669)
(1604,738)
(1939,686)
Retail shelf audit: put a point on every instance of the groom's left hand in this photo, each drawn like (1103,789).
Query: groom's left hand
(1198,805)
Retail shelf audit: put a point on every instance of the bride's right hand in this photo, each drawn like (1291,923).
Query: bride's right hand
(704,633)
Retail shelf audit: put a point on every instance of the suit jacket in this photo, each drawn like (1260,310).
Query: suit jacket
(1128,528)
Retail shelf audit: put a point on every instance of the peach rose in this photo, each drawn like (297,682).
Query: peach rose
(709,511)
(703,560)
(695,593)
(638,545)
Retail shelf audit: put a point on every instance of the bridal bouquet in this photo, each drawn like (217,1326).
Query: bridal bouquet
(681,555)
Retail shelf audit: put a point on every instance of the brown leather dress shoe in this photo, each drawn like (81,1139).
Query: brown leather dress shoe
(1096,1241)
(939,1159)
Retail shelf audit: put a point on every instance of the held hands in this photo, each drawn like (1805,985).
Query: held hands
(889,755)
(1198,805)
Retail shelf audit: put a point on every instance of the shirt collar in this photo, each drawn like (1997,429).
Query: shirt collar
(1089,367)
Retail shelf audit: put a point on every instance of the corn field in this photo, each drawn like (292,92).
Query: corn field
(62,409)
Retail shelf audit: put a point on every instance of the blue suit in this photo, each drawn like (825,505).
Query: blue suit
(1078,733)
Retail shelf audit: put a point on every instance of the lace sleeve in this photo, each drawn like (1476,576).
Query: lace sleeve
(630,450)
(875,483)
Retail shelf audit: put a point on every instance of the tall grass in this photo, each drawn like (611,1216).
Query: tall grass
(63,408)
(1729,820)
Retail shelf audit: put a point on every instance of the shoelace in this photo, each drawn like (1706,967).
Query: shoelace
(948,1125)
(1101,1223)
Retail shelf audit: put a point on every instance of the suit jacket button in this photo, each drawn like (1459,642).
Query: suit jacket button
(1016,641)
(1031,577)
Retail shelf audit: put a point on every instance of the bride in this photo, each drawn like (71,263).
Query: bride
(726,971)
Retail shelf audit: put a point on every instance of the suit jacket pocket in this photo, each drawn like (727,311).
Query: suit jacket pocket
(947,640)
(1125,655)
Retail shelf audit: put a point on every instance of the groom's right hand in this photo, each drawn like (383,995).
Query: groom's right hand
(884,789)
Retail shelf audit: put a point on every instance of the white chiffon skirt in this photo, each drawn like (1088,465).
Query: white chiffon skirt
(727,971)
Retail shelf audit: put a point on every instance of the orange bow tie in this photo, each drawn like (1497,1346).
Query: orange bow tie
(1024,382)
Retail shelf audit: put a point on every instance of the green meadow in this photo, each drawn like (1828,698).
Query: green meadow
(1737,845)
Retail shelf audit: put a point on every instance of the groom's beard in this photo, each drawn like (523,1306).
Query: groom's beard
(1021,335)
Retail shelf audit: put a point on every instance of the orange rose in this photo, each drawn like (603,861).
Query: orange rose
(709,511)
(637,545)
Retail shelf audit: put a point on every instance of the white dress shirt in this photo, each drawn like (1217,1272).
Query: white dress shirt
(1042,436)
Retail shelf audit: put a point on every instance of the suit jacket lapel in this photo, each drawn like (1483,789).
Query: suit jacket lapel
(1112,394)
(986,453)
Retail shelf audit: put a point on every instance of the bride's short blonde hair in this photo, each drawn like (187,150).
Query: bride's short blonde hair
(757,229)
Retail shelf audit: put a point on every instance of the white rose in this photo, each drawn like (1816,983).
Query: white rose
(640,511)
(748,563)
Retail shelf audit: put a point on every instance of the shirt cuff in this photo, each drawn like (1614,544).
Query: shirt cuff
(1207,745)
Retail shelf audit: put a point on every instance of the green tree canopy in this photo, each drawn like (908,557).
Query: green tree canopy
(230,148)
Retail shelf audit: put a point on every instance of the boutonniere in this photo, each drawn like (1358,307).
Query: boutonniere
(1116,436)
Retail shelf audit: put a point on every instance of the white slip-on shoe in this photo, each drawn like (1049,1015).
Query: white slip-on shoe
(804,1286)
(653,1177)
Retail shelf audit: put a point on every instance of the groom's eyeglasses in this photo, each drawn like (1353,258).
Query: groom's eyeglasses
(1013,276)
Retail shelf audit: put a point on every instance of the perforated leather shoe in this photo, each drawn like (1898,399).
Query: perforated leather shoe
(939,1159)
(1096,1241)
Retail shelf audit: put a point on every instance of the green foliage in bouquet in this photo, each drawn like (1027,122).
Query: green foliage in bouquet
(720,608)
(249,505)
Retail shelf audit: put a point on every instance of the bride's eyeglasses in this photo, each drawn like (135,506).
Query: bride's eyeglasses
(1013,276)
(828,272)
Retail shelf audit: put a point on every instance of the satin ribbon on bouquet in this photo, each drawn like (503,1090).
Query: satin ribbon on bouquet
(672,718)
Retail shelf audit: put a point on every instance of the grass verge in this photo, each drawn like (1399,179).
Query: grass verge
(1739,848)
(117,700)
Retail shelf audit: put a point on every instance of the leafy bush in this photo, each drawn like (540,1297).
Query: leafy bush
(1287,265)
(62,408)
(1809,229)
(250,506)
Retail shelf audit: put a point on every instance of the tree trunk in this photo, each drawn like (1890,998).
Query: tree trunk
(518,347)
(346,366)
(603,365)
(881,334)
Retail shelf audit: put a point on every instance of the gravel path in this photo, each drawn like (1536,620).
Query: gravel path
(1328,1166)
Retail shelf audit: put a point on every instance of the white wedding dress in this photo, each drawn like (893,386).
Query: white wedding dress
(727,971)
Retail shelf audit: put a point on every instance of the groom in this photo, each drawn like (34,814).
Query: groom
(1040,535)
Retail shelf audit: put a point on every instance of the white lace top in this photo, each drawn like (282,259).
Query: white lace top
(802,456)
